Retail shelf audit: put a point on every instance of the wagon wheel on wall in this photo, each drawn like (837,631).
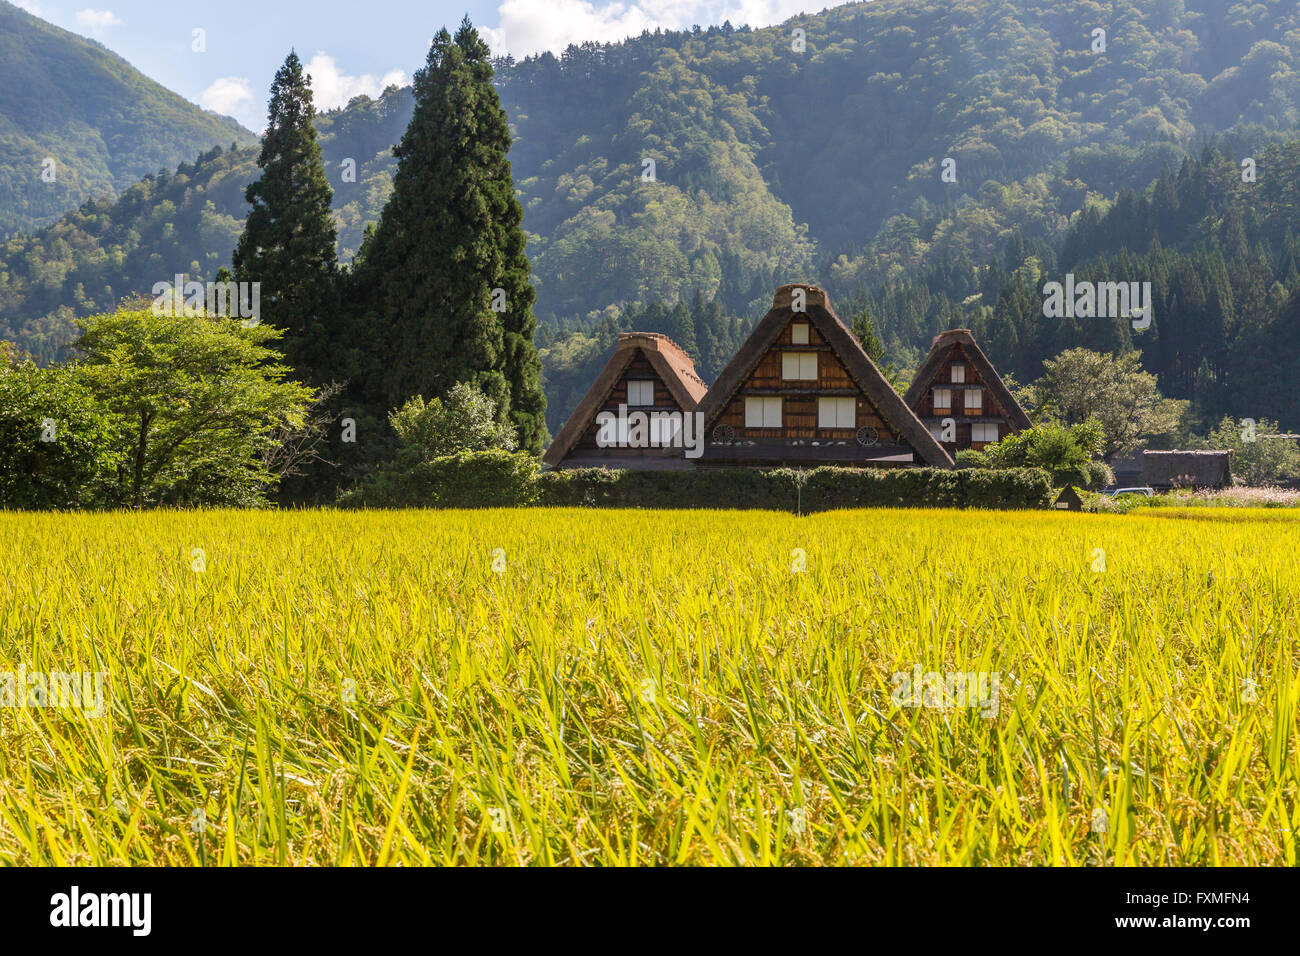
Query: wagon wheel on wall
(724,435)
(868,436)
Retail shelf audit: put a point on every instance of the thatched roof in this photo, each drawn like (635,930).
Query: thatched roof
(666,357)
(847,349)
(1197,469)
(943,344)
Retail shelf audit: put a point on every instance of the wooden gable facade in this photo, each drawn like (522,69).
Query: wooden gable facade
(648,372)
(960,397)
(802,391)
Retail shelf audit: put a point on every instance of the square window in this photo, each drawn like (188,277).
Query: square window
(975,400)
(641,393)
(799,333)
(665,431)
(958,374)
(762,412)
(799,366)
(836,412)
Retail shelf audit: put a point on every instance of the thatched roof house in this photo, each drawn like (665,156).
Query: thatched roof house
(626,418)
(1186,469)
(958,387)
(802,391)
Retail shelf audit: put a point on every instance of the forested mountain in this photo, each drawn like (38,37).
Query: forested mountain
(1220,249)
(103,123)
(780,155)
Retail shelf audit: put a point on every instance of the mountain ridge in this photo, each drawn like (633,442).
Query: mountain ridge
(104,124)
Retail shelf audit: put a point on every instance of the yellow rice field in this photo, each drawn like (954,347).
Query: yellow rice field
(602,687)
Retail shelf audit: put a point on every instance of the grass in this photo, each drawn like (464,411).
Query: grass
(1235,497)
(651,687)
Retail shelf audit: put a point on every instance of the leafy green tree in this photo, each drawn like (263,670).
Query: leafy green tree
(1261,455)
(58,449)
(1080,384)
(197,402)
(465,420)
(445,276)
(289,238)
(1063,451)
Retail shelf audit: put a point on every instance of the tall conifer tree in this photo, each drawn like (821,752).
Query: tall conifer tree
(445,280)
(289,238)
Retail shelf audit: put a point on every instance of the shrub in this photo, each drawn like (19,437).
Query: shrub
(453,454)
(57,448)
(467,479)
(1064,451)
(464,421)
(1100,475)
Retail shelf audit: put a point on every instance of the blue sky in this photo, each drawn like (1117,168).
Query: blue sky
(355,47)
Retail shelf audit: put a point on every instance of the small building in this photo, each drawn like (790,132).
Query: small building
(801,391)
(635,415)
(1068,500)
(960,397)
(1163,470)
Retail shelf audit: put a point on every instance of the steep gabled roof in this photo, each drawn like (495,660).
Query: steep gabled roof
(666,357)
(846,348)
(939,348)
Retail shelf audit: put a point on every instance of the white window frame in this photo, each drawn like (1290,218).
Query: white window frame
(640,392)
(664,429)
(946,392)
(799,333)
(974,399)
(799,366)
(958,374)
(983,428)
(835,411)
(763,412)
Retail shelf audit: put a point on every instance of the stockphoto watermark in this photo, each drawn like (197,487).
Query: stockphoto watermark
(640,429)
(75,908)
(947,691)
(231,300)
(1098,300)
(60,690)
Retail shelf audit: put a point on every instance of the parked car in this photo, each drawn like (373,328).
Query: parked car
(1145,492)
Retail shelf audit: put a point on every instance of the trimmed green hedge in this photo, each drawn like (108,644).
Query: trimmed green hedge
(498,479)
(820,489)
(468,479)
(698,488)
(831,488)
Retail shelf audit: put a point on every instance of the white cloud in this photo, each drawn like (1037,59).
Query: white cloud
(96,23)
(230,96)
(530,26)
(332,88)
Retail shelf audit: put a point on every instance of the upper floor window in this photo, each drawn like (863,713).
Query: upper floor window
(974,400)
(943,398)
(799,333)
(799,366)
(641,393)
(958,374)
